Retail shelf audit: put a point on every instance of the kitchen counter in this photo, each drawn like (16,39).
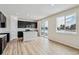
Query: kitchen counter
(29,35)
(1,36)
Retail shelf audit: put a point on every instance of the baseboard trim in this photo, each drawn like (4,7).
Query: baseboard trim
(64,44)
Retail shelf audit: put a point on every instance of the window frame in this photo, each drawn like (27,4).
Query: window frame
(65,31)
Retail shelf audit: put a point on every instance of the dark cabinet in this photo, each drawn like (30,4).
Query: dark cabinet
(8,36)
(2,20)
(3,43)
(27,24)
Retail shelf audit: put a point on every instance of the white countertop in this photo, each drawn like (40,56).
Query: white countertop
(23,29)
(2,35)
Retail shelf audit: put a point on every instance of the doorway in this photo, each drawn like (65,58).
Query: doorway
(44,29)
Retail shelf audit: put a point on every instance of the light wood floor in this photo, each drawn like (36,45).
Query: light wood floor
(38,46)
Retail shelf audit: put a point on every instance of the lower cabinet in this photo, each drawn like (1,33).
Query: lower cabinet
(3,43)
(8,36)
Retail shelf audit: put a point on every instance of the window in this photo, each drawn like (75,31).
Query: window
(60,23)
(66,24)
(71,23)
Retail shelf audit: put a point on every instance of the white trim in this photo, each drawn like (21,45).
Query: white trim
(67,32)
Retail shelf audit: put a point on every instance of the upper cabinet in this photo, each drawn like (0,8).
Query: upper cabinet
(27,24)
(2,20)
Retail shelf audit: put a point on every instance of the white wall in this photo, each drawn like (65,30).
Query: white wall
(13,27)
(64,38)
(39,27)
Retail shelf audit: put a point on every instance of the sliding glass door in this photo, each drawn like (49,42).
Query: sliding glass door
(44,29)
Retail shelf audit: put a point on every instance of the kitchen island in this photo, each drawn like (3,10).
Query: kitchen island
(29,35)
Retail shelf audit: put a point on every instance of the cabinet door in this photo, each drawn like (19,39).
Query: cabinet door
(0,46)
(0,24)
(3,21)
(2,18)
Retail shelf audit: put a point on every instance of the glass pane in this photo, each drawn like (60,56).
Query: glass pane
(71,23)
(44,28)
(60,23)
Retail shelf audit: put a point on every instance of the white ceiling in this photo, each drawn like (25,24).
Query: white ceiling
(33,11)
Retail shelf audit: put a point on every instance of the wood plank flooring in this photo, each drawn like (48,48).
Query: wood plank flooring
(38,46)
